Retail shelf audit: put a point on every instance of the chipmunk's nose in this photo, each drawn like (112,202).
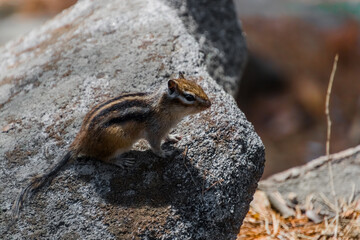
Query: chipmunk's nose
(207,104)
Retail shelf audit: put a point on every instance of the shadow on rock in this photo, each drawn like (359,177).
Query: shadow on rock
(143,199)
(153,182)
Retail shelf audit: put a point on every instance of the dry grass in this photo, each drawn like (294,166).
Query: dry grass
(328,137)
(262,222)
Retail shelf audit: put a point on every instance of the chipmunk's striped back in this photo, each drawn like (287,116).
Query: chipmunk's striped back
(124,108)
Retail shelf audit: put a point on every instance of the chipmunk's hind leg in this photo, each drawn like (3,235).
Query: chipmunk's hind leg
(124,163)
(121,161)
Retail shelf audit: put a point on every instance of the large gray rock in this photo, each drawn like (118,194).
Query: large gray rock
(48,81)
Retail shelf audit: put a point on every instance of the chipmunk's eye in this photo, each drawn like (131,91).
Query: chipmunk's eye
(189,97)
(171,90)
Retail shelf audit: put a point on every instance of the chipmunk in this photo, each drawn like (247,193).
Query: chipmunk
(112,127)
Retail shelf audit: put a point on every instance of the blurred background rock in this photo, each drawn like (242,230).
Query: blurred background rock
(292,44)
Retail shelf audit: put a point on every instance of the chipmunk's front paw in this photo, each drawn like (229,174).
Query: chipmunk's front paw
(174,138)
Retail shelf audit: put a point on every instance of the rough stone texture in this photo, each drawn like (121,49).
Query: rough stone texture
(48,81)
(216,27)
(313,179)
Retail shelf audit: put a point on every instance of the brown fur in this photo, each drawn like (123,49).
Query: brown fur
(190,86)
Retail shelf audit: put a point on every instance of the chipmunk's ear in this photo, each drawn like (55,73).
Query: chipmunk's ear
(181,75)
(172,85)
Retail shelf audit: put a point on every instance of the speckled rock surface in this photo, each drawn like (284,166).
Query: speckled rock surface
(48,81)
(313,180)
(216,27)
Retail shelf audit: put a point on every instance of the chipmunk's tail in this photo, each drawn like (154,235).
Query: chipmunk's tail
(37,182)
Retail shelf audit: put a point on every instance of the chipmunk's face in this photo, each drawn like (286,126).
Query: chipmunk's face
(188,96)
